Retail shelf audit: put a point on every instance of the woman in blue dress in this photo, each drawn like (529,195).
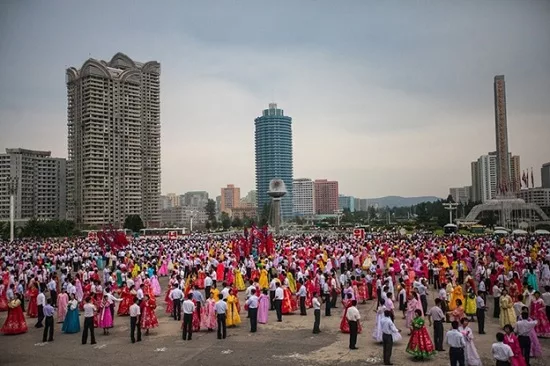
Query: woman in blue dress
(532,279)
(72,322)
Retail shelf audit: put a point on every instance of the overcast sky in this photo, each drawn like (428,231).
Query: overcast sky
(387,97)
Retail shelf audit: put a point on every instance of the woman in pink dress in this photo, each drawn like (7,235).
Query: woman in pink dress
(512,340)
(155,286)
(263,307)
(208,314)
(62,303)
(32,309)
(538,312)
(105,319)
(163,271)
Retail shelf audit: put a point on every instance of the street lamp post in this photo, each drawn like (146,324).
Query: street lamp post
(12,190)
(191,221)
(450,206)
(338,216)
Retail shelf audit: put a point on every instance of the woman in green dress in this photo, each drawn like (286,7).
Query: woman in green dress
(420,344)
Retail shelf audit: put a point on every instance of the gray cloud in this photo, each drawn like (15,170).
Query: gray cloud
(387,97)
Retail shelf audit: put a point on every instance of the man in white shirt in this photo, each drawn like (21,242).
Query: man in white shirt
(207,286)
(317,314)
(221,313)
(456,343)
(249,289)
(302,293)
(279,296)
(480,312)
(272,288)
(89,310)
(176,295)
(252,303)
(388,328)
(522,329)
(135,313)
(52,288)
(188,310)
(353,318)
(497,291)
(41,302)
(225,291)
(139,293)
(502,352)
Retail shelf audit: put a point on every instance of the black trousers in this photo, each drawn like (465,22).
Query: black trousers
(253,315)
(207,292)
(134,324)
(480,315)
(53,295)
(461,277)
(436,282)
(387,343)
(187,326)
(317,321)
(334,298)
(48,330)
(424,302)
(457,356)
(279,309)
(303,305)
(547,311)
(352,333)
(272,299)
(503,363)
(40,316)
(222,327)
(430,276)
(327,304)
(369,289)
(378,295)
(438,335)
(176,312)
(88,325)
(496,311)
(525,345)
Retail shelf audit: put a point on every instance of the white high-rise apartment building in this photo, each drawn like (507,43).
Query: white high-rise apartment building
(303,197)
(113,116)
(460,194)
(484,177)
(40,185)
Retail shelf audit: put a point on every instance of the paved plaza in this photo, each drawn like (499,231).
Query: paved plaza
(289,342)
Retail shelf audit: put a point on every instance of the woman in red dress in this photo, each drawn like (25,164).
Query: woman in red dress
(3,298)
(309,294)
(148,318)
(127,301)
(287,307)
(200,279)
(32,309)
(15,322)
(420,344)
(344,325)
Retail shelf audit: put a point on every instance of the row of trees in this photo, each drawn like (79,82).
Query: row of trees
(41,229)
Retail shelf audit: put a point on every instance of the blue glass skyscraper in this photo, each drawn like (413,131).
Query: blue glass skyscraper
(274,155)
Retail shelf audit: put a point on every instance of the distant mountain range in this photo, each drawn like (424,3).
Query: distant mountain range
(397,201)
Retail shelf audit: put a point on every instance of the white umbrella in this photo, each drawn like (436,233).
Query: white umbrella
(542,232)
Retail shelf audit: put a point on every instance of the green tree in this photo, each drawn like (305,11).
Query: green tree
(371,213)
(214,224)
(210,209)
(266,214)
(226,221)
(207,226)
(134,223)
(237,222)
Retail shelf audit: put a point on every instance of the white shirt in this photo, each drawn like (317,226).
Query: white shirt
(208,281)
(188,307)
(279,293)
(220,307)
(176,294)
(248,291)
(353,314)
(135,310)
(502,352)
(89,310)
(41,299)
(302,292)
(455,339)
(523,327)
(387,326)
(139,294)
(225,292)
(316,304)
(546,297)
(252,302)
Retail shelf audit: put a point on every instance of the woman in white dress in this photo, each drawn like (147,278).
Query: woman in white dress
(470,351)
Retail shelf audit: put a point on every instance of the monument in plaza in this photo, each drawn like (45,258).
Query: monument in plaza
(277,190)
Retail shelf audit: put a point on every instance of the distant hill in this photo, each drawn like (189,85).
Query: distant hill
(397,201)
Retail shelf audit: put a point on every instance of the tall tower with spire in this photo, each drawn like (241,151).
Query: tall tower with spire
(501,130)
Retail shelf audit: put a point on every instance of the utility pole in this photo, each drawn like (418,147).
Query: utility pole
(450,206)
(12,190)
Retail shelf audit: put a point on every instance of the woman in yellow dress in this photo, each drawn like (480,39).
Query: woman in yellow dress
(291,282)
(239,281)
(457,294)
(507,313)
(215,293)
(264,281)
(233,317)
(136,270)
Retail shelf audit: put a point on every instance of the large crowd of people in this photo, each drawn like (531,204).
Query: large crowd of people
(60,281)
